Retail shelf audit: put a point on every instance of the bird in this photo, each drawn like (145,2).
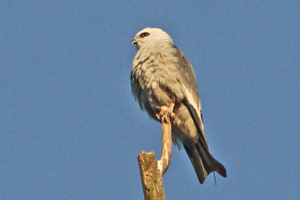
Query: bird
(162,77)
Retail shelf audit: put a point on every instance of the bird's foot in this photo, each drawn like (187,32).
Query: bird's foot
(162,112)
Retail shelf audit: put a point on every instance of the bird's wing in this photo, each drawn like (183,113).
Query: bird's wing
(187,80)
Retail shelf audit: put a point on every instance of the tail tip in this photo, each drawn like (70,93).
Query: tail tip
(222,171)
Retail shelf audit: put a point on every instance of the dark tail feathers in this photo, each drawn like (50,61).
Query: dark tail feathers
(203,161)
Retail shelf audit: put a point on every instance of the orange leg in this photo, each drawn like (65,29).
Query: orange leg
(162,111)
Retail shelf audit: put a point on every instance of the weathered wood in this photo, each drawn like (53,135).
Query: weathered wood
(165,159)
(151,169)
(151,176)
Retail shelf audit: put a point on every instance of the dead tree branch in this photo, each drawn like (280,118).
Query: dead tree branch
(151,169)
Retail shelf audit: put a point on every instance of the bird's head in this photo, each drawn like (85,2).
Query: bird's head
(150,35)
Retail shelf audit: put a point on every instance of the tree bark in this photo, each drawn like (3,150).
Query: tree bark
(151,169)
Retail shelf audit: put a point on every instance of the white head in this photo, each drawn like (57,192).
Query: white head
(150,34)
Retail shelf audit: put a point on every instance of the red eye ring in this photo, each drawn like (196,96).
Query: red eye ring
(144,34)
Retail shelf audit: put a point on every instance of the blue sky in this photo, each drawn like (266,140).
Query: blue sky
(70,128)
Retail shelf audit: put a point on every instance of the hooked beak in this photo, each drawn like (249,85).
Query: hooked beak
(133,41)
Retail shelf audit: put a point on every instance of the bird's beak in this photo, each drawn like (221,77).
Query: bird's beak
(133,41)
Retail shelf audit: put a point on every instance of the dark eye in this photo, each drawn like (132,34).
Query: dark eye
(144,34)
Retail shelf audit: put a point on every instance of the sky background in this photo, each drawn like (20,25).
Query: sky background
(71,130)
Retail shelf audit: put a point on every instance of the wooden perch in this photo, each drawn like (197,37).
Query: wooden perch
(152,169)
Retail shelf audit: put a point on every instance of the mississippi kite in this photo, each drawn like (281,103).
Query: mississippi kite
(161,75)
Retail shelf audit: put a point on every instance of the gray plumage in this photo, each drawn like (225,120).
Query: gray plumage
(161,75)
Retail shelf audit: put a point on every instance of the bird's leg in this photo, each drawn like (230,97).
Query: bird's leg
(164,111)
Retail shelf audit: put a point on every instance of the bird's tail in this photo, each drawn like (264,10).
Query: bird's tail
(203,161)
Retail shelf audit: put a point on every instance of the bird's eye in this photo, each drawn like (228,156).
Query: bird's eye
(144,34)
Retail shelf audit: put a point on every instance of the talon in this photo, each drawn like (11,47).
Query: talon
(163,111)
(157,112)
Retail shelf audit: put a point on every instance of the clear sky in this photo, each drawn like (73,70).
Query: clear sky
(71,130)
